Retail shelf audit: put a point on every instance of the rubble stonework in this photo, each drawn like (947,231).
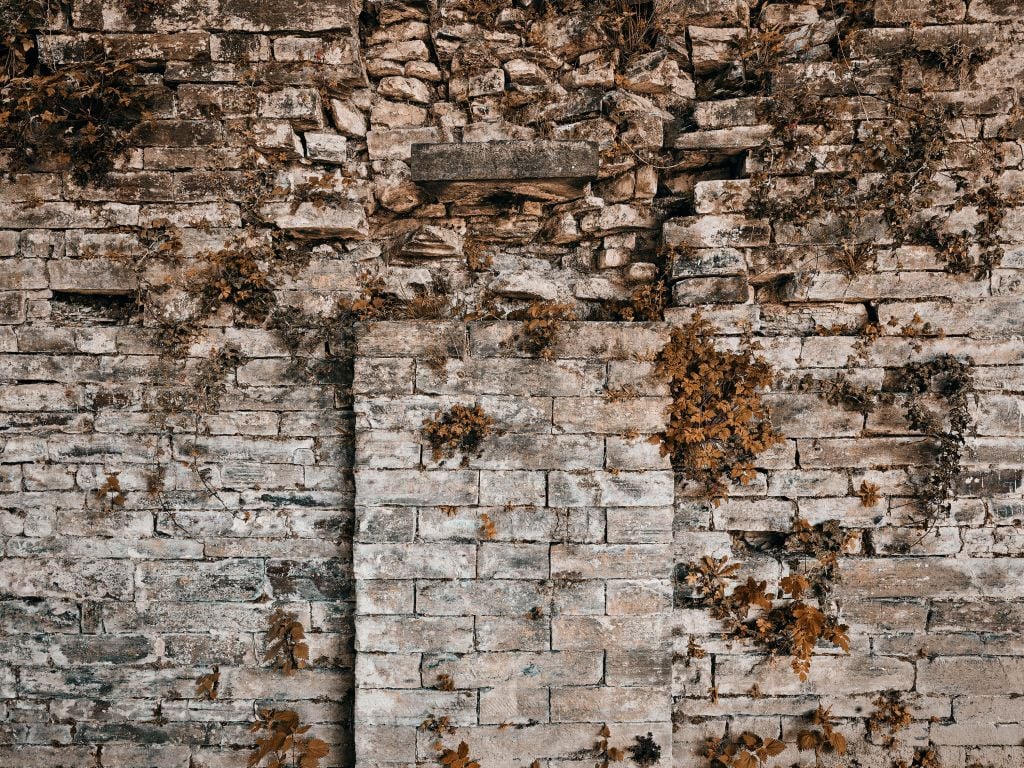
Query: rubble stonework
(336,219)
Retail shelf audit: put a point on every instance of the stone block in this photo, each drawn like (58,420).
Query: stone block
(342,219)
(541,169)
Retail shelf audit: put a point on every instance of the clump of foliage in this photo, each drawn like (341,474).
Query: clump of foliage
(839,390)
(646,751)
(373,302)
(791,622)
(80,113)
(868,493)
(646,304)
(718,422)
(748,750)
(890,716)
(237,275)
(488,528)
(890,175)
(948,377)
(283,743)
(208,685)
(459,429)
(458,757)
(286,639)
(824,739)
(540,326)
(211,377)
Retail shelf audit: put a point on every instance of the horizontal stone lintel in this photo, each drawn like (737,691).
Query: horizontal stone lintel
(504,160)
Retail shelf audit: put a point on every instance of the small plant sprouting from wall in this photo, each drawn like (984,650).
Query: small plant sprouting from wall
(823,739)
(890,716)
(607,754)
(795,620)
(541,325)
(747,750)
(718,422)
(236,275)
(460,429)
(283,743)
(286,640)
(208,685)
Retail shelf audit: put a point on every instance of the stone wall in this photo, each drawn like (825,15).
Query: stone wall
(333,220)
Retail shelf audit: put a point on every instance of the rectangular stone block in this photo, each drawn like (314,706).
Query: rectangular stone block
(388,670)
(930,577)
(412,707)
(410,487)
(512,487)
(504,160)
(647,597)
(639,525)
(492,597)
(622,705)
(833,675)
(505,376)
(513,561)
(515,414)
(970,675)
(483,670)
(611,561)
(716,232)
(523,633)
(622,489)
(604,416)
(412,561)
(539,452)
(599,632)
(644,668)
(414,634)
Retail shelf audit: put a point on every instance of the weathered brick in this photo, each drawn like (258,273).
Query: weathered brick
(410,561)
(735,674)
(623,489)
(602,416)
(599,632)
(623,561)
(926,577)
(200,582)
(968,675)
(615,704)
(402,486)
(500,376)
(414,634)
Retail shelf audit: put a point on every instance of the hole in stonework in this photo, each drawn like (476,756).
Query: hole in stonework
(103,309)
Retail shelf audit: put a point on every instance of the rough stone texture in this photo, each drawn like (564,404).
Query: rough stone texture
(523,617)
(483,162)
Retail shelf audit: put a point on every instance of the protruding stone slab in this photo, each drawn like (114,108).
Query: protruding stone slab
(432,242)
(342,219)
(536,169)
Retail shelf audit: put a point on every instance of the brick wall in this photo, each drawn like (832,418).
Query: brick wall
(536,573)
(409,181)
